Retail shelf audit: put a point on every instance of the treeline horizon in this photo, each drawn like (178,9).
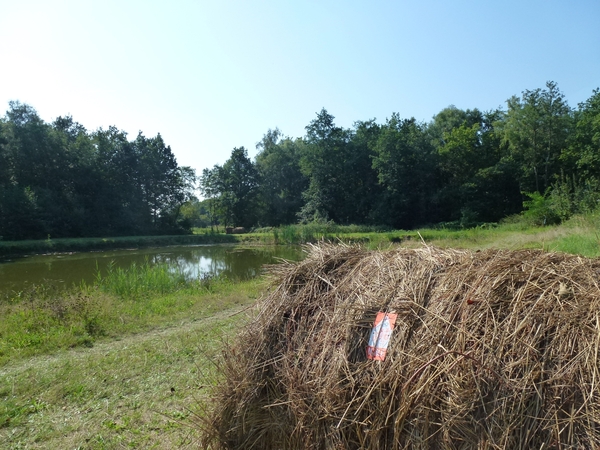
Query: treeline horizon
(538,155)
(60,180)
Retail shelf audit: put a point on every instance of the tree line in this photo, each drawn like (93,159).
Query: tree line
(60,180)
(463,168)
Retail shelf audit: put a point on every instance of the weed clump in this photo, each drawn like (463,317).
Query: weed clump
(491,350)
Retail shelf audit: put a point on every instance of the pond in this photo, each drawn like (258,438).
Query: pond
(66,270)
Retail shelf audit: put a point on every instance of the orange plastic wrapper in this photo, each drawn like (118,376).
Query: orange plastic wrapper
(380,335)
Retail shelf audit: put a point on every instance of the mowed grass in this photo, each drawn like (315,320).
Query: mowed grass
(139,392)
(579,236)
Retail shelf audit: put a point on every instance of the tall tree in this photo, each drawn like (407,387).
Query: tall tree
(449,119)
(476,183)
(281,179)
(405,162)
(362,189)
(35,166)
(335,170)
(236,185)
(536,128)
(57,179)
(583,152)
(162,182)
(119,207)
(320,163)
(78,178)
(210,189)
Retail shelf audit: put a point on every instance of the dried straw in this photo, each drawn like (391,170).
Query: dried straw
(491,350)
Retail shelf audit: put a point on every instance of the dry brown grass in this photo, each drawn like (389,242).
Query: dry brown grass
(492,350)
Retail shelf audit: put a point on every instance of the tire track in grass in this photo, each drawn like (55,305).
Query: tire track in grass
(137,391)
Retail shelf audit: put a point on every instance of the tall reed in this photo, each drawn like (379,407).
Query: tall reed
(141,280)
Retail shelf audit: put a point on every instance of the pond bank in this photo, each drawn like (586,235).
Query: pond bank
(10,249)
(64,270)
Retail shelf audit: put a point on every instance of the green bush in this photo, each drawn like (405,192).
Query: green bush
(538,210)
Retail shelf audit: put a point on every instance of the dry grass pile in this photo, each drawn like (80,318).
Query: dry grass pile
(491,350)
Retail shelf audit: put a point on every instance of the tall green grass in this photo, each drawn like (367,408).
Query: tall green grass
(585,245)
(140,280)
(313,232)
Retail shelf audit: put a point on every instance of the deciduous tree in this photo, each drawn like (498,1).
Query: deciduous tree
(536,128)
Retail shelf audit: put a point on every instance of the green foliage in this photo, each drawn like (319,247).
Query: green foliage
(477,184)
(583,151)
(539,210)
(210,187)
(61,180)
(337,163)
(564,199)
(464,167)
(536,130)
(196,213)
(232,190)
(405,163)
(281,179)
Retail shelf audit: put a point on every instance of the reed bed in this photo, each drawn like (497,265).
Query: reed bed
(495,349)
(141,280)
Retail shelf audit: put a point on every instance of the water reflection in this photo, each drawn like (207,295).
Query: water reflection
(226,260)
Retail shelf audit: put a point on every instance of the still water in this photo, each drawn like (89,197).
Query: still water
(196,261)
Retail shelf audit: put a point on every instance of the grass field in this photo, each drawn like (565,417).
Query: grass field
(138,391)
(117,364)
(579,235)
(126,362)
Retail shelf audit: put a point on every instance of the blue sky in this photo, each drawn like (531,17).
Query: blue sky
(214,75)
